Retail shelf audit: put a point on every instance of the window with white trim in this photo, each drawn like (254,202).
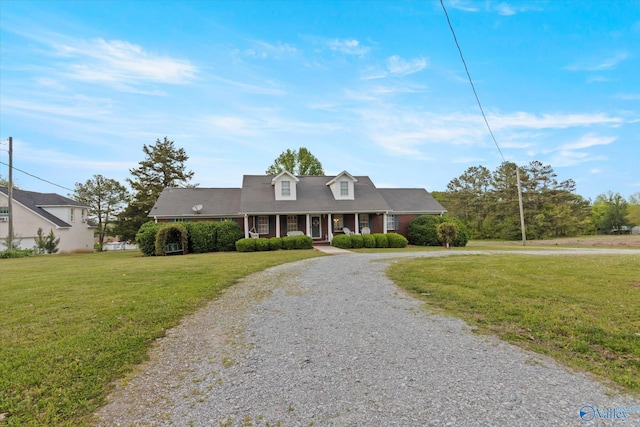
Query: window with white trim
(4,211)
(344,188)
(292,222)
(71,214)
(263,224)
(338,222)
(363,221)
(286,188)
(83,215)
(391,222)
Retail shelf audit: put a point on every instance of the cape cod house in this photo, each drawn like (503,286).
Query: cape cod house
(49,211)
(318,206)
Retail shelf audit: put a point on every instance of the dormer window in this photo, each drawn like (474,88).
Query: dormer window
(344,188)
(284,185)
(286,188)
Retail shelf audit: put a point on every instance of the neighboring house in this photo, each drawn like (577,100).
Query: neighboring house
(318,206)
(49,211)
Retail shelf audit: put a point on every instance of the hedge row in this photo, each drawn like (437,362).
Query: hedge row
(377,240)
(195,237)
(274,243)
(423,231)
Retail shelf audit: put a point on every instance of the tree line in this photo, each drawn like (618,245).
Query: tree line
(487,202)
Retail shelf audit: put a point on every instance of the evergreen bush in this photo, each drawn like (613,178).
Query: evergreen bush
(288,243)
(423,231)
(341,241)
(228,233)
(397,240)
(275,243)
(202,236)
(357,241)
(246,245)
(369,241)
(262,244)
(303,242)
(381,240)
(146,237)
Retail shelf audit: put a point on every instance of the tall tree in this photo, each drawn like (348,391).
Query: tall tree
(163,167)
(106,199)
(634,209)
(610,212)
(300,162)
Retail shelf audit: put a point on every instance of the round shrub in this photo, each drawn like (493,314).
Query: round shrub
(146,237)
(423,231)
(381,240)
(228,233)
(275,243)
(397,240)
(202,236)
(303,242)
(262,244)
(341,241)
(288,242)
(246,245)
(369,241)
(357,241)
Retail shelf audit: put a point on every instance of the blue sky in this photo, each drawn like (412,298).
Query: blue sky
(375,88)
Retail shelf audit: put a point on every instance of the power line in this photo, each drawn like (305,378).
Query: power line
(471,81)
(37,177)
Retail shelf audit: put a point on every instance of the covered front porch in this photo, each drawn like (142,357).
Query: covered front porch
(321,227)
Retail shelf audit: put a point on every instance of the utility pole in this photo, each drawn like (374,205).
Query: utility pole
(524,235)
(10,194)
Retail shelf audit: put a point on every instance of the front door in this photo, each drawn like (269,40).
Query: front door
(316,227)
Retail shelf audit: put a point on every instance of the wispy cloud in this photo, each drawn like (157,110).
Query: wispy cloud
(262,49)
(348,47)
(577,152)
(464,5)
(598,64)
(396,66)
(588,140)
(550,121)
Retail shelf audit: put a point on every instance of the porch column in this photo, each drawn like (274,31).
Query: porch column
(277,225)
(384,223)
(308,233)
(357,225)
(329,228)
(246,226)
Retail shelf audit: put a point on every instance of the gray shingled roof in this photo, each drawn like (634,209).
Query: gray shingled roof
(411,200)
(313,196)
(257,197)
(216,202)
(37,201)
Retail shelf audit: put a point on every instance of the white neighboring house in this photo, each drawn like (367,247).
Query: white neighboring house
(49,211)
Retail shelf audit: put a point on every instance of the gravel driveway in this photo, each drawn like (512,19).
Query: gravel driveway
(332,342)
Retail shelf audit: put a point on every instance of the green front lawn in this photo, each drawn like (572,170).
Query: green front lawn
(72,324)
(582,310)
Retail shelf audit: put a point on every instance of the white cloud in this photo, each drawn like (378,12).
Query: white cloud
(465,6)
(262,49)
(122,62)
(348,47)
(401,67)
(549,121)
(588,140)
(598,64)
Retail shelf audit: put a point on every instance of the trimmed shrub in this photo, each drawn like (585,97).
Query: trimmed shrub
(17,253)
(202,236)
(397,240)
(381,240)
(171,233)
(288,243)
(423,231)
(275,243)
(262,244)
(357,241)
(303,242)
(146,237)
(369,241)
(246,245)
(228,233)
(341,241)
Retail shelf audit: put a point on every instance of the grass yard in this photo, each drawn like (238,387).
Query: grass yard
(72,324)
(582,310)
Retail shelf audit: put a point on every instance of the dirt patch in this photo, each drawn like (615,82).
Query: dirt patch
(627,241)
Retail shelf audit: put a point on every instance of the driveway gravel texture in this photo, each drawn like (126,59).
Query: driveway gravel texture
(331,341)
